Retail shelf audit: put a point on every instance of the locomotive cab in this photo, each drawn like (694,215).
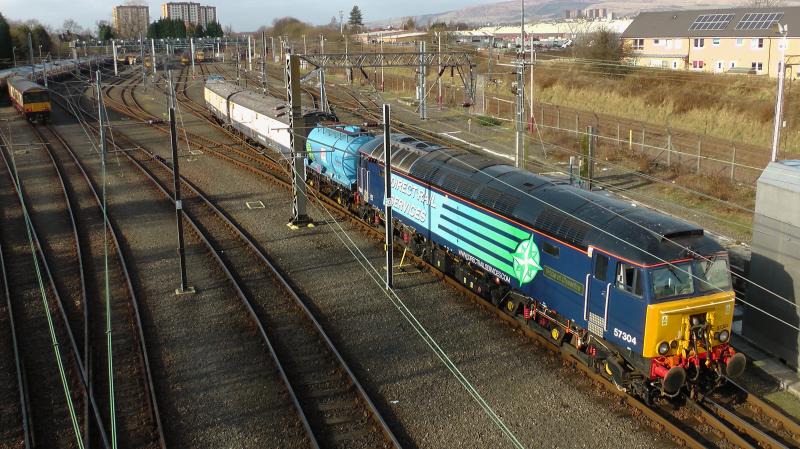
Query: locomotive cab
(671,319)
(689,319)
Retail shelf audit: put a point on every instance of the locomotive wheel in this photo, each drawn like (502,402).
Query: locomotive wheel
(510,307)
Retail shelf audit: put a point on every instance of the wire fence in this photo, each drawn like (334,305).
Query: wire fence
(678,150)
(674,149)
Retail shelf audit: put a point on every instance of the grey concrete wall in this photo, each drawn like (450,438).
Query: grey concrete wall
(775,265)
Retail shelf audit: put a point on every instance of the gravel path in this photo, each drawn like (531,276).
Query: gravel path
(537,398)
(214,380)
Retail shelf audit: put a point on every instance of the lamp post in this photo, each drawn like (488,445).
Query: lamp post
(14,55)
(776,131)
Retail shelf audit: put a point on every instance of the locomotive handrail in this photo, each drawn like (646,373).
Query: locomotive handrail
(586,299)
(605,312)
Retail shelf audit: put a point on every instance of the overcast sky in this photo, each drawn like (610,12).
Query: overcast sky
(243,15)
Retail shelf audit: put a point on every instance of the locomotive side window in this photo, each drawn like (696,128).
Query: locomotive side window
(601,267)
(550,249)
(629,278)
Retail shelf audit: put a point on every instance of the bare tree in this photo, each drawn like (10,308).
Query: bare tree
(71,28)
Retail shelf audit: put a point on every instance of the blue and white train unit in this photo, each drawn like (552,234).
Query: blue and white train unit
(642,296)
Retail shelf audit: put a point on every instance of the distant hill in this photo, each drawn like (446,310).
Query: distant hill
(508,11)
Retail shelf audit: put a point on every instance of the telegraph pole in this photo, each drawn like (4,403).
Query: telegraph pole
(263,63)
(387,183)
(323,94)
(519,105)
(176,182)
(349,70)
(114,50)
(383,81)
(423,109)
(531,93)
(592,149)
(153,55)
(141,58)
(776,131)
(249,54)
(298,152)
(30,56)
(238,61)
(191,44)
(439,72)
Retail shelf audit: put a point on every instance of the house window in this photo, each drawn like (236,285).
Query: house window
(656,42)
(757,43)
(739,42)
(732,64)
(697,65)
(699,43)
(638,44)
(715,42)
(678,43)
(757,66)
(674,65)
(719,66)
(629,279)
(668,43)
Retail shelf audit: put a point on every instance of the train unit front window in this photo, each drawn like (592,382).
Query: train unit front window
(712,274)
(37,97)
(672,280)
(681,279)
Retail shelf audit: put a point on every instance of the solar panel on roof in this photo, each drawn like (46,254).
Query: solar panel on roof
(711,22)
(758,20)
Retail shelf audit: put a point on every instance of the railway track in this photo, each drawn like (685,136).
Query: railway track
(16,428)
(136,406)
(696,422)
(52,387)
(334,408)
(747,419)
(216,383)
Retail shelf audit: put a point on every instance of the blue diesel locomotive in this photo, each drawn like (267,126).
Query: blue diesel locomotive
(643,296)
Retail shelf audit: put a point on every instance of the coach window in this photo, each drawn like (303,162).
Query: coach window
(629,279)
(601,267)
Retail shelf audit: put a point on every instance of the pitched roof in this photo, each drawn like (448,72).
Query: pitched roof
(717,23)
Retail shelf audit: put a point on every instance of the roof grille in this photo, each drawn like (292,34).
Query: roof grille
(488,196)
(506,204)
(562,226)
(423,170)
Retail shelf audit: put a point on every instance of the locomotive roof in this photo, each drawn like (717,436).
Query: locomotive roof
(24,85)
(572,215)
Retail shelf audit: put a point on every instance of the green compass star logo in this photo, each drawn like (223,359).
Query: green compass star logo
(526,261)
